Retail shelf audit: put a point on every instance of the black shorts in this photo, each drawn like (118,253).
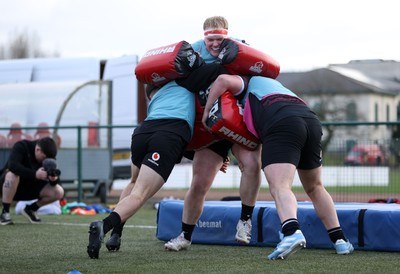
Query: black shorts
(289,131)
(29,190)
(159,150)
(295,140)
(221,148)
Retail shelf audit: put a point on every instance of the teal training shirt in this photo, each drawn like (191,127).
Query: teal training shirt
(200,47)
(264,86)
(172,102)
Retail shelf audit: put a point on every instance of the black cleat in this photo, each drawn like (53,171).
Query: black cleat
(114,243)
(31,215)
(96,236)
(5,219)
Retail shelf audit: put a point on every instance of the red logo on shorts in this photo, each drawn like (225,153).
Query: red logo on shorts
(155,156)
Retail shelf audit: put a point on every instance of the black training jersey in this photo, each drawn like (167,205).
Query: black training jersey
(22,160)
(202,78)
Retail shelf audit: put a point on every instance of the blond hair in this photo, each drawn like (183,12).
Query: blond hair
(215,22)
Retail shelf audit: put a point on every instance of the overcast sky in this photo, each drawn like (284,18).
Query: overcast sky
(300,34)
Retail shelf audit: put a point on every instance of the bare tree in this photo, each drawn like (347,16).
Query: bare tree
(24,44)
(327,109)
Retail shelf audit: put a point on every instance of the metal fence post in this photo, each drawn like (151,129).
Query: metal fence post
(79,154)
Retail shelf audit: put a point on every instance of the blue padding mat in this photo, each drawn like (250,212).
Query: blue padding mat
(368,226)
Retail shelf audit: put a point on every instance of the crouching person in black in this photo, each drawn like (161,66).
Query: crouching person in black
(31,173)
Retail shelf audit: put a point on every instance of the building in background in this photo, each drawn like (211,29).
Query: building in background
(359,91)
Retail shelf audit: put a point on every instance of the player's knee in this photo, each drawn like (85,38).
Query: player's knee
(11,177)
(251,166)
(59,193)
(199,189)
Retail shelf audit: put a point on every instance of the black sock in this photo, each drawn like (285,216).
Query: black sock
(247,212)
(111,221)
(118,229)
(187,231)
(6,208)
(336,234)
(33,206)
(290,226)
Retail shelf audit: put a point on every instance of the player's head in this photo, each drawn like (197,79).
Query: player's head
(217,23)
(45,148)
(215,31)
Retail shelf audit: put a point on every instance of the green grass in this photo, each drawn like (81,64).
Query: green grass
(59,246)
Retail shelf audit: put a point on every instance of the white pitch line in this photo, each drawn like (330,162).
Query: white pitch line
(75,224)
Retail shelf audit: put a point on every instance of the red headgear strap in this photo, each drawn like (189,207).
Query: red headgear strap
(215,32)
